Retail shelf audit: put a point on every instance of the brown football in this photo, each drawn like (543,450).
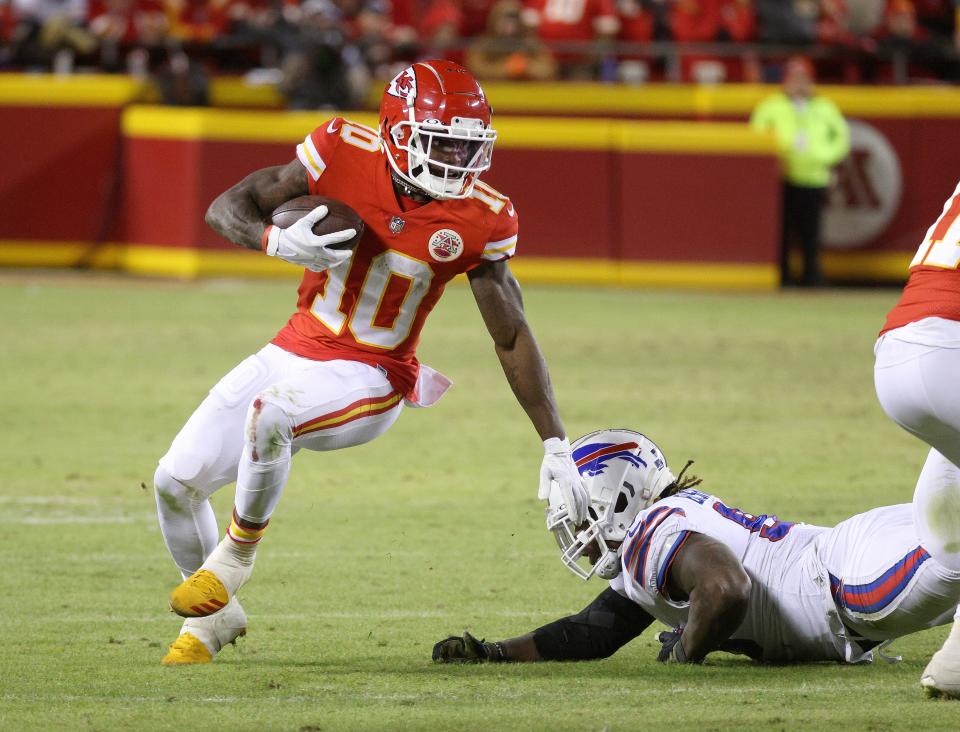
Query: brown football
(339,217)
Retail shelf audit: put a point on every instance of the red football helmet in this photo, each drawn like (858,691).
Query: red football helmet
(435,126)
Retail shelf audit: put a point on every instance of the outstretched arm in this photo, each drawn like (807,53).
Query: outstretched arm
(498,297)
(707,573)
(598,631)
(241,213)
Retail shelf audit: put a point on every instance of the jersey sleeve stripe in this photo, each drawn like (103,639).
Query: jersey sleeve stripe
(641,560)
(500,249)
(308,155)
(668,560)
(500,246)
(635,538)
(637,553)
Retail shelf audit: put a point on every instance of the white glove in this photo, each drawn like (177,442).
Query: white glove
(298,244)
(558,466)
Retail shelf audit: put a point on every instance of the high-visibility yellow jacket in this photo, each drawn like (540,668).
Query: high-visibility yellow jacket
(812,136)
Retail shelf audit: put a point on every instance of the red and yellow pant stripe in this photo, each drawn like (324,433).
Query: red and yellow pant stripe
(357,410)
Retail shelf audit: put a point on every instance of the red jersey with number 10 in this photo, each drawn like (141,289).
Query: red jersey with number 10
(373,307)
(933,290)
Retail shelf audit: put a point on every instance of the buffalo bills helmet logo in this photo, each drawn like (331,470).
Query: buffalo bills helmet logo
(594,458)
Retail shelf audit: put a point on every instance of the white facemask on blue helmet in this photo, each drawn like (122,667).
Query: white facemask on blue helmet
(624,472)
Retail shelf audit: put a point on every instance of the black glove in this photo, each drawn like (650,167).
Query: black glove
(671,649)
(466,650)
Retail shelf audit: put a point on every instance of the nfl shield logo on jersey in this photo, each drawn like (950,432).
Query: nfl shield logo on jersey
(396,225)
(445,245)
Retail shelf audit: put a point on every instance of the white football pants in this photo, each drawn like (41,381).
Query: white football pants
(247,429)
(883,579)
(917,376)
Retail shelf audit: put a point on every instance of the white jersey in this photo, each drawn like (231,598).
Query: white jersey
(788,616)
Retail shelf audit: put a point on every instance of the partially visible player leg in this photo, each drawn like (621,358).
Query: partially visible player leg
(915,384)
(325,406)
(204,457)
(187,521)
(936,508)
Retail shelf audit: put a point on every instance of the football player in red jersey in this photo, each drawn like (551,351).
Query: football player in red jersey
(339,372)
(916,375)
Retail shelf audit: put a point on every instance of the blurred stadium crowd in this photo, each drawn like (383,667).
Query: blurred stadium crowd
(325,52)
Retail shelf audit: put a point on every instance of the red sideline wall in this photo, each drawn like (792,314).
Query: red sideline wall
(578,204)
(929,159)
(638,202)
(914,150)
(580,199)
(60,172)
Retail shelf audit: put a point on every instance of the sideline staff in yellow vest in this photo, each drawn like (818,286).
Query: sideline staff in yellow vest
(812,137)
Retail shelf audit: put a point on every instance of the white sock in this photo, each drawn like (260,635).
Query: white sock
(232,559)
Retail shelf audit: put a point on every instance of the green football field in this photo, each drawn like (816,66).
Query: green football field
(377,552)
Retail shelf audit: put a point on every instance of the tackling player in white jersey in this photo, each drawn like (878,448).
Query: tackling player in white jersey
(724,579)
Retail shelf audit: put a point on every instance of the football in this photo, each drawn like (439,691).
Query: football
(339,217)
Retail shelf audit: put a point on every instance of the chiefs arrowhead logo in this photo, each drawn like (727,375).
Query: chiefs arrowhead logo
(404,85)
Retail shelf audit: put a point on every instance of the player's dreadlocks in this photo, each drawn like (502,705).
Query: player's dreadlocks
(682,481)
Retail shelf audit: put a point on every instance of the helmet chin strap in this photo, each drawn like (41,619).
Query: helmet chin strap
(408,190)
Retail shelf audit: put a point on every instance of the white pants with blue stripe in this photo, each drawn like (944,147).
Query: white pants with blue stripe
(883,580)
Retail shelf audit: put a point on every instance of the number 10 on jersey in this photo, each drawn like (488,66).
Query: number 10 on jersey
(374,320)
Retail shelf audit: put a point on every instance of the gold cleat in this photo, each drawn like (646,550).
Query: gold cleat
(186,649)
(202,638)
(199,595)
